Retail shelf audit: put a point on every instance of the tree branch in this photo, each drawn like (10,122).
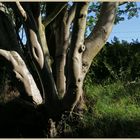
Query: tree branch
(23,74)
(34,43)
(54,14)
(21,9)
(71,14)
(122,3)
(75,81)
(61,32)
(100,33)
(44,42)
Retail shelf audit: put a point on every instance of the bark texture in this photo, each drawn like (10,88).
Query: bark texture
(96,40)
(54,61)
(75,79)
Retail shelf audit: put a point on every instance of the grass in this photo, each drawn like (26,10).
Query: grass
(113,110)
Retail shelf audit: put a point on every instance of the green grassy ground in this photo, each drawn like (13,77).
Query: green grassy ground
(113,110)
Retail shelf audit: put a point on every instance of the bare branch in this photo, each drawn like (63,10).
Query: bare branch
(44,41)
(54,14)
(23,74)
(122,3)
(100,33)
(21,9)
(71,14)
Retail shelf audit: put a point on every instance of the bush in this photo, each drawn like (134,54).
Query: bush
(116,61)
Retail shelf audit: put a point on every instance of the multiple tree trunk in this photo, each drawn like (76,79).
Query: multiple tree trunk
(55,60)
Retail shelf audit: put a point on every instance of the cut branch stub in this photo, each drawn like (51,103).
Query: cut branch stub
(23,74)
(82,48)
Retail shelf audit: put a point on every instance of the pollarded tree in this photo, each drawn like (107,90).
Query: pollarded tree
(46,73)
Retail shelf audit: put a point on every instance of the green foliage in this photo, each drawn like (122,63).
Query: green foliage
(113,110)
(116,61)
(132,9)
(128,10)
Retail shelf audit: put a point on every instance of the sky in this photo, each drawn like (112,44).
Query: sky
(127,29)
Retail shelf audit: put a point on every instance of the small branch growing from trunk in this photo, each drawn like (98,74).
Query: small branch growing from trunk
(71,14)
(22,11)
(44,42)
(23,74)
(54,14)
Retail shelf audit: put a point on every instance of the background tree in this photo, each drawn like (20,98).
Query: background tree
(47,72)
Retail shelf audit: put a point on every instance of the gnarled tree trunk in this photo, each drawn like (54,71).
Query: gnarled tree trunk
(50,89)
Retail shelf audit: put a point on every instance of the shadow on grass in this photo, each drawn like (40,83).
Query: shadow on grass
(17,121)
(107,128)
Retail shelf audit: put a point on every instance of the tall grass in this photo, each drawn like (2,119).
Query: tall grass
(113,110)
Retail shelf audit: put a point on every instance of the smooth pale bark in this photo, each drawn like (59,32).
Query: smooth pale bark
(71,15)
(43,70)
(61,49)
(44,41)
(23,74)
(60,53)
(100,34)
(75,81)
(22,11)
(56,33)
(40,70)
(36,48)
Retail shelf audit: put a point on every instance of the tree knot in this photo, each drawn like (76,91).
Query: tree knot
(82,48)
